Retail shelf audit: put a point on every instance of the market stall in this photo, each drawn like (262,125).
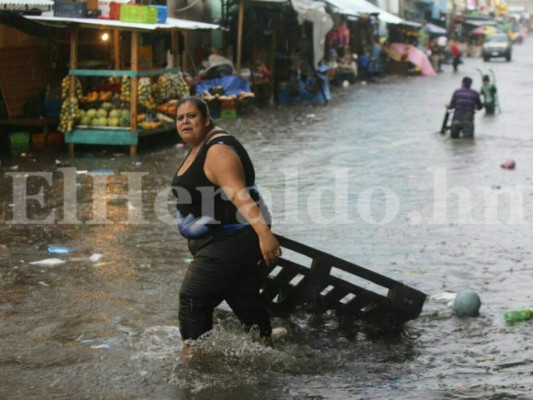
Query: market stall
(125,109)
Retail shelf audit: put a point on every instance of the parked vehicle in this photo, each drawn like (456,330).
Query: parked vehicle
(498,45)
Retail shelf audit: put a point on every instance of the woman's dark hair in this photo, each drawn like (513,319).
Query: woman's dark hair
(200,104)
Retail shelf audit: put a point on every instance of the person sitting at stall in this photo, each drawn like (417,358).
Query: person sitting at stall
(216,66)
(346,70)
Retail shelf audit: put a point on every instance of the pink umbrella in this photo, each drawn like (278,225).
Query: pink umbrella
(485,30)
(416,57)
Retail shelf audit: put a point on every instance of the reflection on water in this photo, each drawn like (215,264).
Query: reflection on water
(333,176)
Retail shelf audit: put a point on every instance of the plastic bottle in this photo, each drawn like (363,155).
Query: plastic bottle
(517,315)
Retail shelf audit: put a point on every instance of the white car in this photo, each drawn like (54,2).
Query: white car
(498,45)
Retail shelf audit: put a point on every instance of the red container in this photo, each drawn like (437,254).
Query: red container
(56,139)
(114,10)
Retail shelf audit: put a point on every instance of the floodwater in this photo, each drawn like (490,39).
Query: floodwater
(367,178)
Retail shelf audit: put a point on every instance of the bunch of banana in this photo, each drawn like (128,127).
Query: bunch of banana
(69,113)
(65,87)
(147,125)
(144,93)
(179,85)
(157,93)
(166,87)
(125,88)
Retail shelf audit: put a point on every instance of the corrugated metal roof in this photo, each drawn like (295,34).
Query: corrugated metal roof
(172,23)
(357,7)
(23,4)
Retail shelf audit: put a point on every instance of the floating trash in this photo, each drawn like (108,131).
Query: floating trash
(103,172)
(52,248)
(467,303)
(48,262)
(101,346)
(95,257)
(509,164)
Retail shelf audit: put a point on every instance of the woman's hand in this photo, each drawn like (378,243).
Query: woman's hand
(270,248)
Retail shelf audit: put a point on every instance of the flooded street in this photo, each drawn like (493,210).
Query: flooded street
(368,178)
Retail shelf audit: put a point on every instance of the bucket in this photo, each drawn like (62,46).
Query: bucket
(19,139)
(56,140)
(37,141)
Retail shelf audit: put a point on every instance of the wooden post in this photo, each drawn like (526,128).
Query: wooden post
(239,36)
(134,86)
(116,48)
(74,37)
(174,48)
(185,60)
(272,65)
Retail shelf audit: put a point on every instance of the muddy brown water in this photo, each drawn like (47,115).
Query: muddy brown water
(367,178)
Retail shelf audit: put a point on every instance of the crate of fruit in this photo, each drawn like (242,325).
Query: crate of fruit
(137,13)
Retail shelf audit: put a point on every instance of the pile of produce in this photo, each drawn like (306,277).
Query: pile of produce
(169,87)
(107,115)
(65,87)
(107,109)
(125,89)
(67,116)
(69,105)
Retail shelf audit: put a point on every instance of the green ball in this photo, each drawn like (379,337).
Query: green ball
(467,303)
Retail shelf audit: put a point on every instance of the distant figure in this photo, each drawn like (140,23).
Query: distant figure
(375,59)
(488,91)
(216,66)
(346,71)
(363,62)
(456,55)
(465,101)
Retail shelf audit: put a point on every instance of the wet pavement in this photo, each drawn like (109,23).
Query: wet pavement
(368,178)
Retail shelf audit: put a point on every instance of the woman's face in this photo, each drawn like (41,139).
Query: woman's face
(191,125)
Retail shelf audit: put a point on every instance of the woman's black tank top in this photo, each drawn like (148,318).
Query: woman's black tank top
(202,206)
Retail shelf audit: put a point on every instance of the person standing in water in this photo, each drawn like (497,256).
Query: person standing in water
(489,93)
(226,224)
(465,101)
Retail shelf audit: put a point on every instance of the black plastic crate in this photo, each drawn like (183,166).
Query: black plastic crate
(70,9)
(318,287)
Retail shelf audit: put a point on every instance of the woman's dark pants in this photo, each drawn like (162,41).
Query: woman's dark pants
(225,267)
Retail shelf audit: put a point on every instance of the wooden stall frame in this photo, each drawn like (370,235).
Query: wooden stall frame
(108,135)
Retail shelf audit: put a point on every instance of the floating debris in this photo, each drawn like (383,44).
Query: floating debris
(509,164)
(48,262)
(101,346)
(52,248)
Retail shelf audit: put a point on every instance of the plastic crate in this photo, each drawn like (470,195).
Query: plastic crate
(228,114)
(140,14)
(161,14)
(70,9)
